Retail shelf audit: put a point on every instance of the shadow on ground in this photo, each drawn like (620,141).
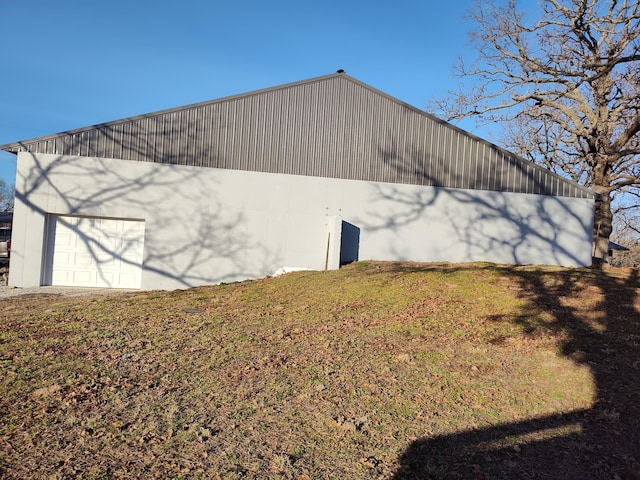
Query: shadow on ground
(602,442)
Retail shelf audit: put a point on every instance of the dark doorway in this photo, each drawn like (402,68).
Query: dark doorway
(349,243)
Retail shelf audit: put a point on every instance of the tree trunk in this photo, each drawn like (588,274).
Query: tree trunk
(602,228)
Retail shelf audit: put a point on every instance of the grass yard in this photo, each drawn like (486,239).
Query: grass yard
(376,371)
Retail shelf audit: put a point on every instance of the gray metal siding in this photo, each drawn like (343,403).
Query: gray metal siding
(332,126)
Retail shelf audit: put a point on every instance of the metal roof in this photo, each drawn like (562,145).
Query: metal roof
(330,126)
(6,218)
(615,246)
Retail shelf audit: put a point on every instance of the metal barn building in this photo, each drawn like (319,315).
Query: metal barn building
(312,174)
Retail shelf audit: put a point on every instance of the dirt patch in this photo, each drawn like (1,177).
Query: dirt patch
(6,292)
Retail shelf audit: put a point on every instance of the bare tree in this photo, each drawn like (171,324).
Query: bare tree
(565,83)
(626,232)
(6,197)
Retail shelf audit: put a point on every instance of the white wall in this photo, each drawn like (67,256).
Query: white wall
(209,225)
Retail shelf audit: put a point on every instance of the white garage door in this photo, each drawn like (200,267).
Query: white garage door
(95,252)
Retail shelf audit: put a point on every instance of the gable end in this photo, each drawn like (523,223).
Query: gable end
(332,126)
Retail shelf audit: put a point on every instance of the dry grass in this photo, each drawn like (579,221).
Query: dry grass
(378,370)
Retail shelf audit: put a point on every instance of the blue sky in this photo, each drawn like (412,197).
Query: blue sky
(71,63)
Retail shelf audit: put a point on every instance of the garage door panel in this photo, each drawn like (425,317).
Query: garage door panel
(61,257)
(108,261)
(81,259)
(105,280)
(110,244)
(65,239)
(61,278)
(131,230)
(126,278)
(130,259)
(95,252)
(82,277)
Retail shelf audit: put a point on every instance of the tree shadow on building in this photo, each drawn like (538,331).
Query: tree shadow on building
(192,230)
(599,442)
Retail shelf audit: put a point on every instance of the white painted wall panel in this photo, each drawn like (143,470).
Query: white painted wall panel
(205,225)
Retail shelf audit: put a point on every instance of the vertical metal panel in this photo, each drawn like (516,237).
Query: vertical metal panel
(333,126)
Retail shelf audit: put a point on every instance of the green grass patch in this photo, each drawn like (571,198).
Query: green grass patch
(338,374)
